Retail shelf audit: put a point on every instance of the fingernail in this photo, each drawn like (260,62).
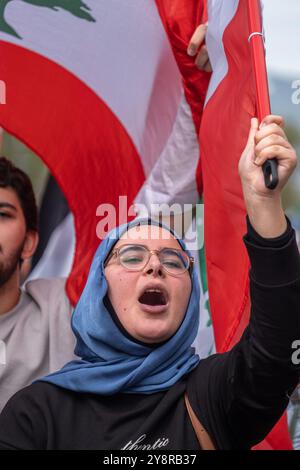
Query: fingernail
(191,50)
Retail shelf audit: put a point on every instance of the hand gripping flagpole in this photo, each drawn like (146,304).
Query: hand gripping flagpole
(256,39)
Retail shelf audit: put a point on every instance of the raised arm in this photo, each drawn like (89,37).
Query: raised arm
(248,388)
(264,206)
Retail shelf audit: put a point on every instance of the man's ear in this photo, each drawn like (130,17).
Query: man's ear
(30,244)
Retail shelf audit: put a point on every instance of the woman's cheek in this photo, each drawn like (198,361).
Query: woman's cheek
(124,293)
(183,295)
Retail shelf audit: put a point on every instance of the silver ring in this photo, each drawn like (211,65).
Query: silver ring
(256,34)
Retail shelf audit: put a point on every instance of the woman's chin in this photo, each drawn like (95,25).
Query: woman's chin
(152,335)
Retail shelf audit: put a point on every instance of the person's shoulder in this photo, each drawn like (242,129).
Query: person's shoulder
(36,389)
(210,366)
(212,361)
(45,287)
(45,292)
(32,396)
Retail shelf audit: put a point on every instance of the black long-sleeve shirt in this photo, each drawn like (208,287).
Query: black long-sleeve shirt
(238,396)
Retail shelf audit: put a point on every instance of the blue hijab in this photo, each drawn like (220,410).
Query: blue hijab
(112,362)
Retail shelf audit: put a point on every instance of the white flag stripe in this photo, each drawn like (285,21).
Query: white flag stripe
(58,256)
(220,14)
(173,178)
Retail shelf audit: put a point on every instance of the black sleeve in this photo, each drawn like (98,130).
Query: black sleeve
(21,422)
(240,395)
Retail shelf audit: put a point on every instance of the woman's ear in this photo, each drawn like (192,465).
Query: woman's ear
(30,244)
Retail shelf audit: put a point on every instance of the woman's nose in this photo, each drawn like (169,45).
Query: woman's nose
(154,266)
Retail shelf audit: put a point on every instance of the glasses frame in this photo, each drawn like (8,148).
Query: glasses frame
(116,252)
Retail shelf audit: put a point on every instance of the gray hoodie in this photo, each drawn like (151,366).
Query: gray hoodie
(35,337)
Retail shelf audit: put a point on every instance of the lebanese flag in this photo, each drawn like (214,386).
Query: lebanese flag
(93,88)
(106,95)
(230,104)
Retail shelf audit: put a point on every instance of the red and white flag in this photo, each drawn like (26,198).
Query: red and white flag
(94,90)
(230,104)
(105,93)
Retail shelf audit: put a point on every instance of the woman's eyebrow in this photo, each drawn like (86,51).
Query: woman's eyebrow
(164,247)
(7,205)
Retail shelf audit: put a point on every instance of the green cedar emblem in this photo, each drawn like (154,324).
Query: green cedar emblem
(75,7)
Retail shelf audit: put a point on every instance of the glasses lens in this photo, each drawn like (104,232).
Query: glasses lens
(174,261)
(133,256)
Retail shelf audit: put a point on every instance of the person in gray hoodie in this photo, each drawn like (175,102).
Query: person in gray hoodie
(35,333)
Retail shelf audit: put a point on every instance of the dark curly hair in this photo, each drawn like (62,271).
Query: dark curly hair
(14,178)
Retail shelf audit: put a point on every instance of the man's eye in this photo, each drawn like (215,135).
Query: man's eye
(4,215)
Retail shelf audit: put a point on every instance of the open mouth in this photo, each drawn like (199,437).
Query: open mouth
(153,297)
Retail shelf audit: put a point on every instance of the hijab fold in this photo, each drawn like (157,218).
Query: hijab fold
(112,362)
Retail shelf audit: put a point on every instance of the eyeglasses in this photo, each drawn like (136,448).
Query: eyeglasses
(136,257)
